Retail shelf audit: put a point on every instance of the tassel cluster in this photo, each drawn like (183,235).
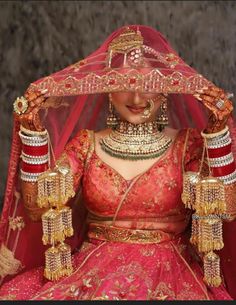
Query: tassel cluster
(210,196)
(206,196)
(189,189)
(58,262)
(211,269)
(55,188)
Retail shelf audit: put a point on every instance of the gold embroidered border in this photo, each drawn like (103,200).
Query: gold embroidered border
(117,234)
(113,81)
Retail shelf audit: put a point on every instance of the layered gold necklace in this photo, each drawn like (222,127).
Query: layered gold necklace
(135,141)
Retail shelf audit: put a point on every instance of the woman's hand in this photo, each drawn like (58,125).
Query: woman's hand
(217,101)
(30,118)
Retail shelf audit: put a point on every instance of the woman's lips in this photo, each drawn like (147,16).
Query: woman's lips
(136,109)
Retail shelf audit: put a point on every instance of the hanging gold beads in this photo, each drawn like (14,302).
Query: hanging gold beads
(210,196)
(66,215)
(58,262)
(207,233)
(66,184)
(57,225)
(52,270)
(206,196)
(194,230)
(210,234)
(189,189)
(55,188)
(65,259)
(52,227)
(212,269)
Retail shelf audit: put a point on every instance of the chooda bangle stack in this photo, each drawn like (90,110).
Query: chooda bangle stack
(35,154)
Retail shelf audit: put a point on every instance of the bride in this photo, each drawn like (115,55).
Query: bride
(127,185)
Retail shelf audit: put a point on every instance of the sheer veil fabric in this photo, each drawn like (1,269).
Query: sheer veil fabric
(78,99)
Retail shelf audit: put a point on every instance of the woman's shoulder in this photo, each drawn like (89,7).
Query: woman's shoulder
(102,132)
(179,135)
(171,132)
(190,136)
(190,131)
(187,140)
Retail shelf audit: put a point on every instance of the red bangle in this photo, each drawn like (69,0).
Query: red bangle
(223,170)
(35,150)
(34,168)
(219,152)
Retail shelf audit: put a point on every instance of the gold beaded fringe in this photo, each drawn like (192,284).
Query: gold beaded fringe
(55,188)
(206,196)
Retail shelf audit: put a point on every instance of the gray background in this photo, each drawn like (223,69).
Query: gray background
(40,37)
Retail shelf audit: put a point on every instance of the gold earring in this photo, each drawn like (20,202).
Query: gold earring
(112,119)
(162,119)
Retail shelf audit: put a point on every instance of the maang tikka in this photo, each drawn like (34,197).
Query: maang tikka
(162,119)
(112,119)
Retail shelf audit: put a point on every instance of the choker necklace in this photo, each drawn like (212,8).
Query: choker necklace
(135,141)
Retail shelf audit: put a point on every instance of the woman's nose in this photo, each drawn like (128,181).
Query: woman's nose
(137,98)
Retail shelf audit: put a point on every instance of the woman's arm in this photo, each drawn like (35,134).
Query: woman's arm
(218,143)
(34,140)
(34,152)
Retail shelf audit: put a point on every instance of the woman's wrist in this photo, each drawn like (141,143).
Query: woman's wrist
(35,153)
(34,161)
(220,157)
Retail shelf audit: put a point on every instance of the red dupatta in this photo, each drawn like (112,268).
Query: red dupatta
(77,99)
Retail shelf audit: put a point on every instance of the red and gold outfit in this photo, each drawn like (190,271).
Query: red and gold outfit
(116,266)
(136,244)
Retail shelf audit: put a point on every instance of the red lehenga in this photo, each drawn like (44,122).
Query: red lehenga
(136,243)
(162,267)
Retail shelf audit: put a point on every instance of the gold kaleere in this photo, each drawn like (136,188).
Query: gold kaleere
(48,189)
(205,195)
(65,184)
(188,195)
(65,257)
(66,215)
(207,233)
(190,179)
(212,269)
(53,267)
(194,230)
(53,230)
(210,234)
(55,188)
(210,196)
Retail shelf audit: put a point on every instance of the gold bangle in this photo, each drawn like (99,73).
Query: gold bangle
(33,132)
(215,134)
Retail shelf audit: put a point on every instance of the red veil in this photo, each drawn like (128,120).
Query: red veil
(77,99)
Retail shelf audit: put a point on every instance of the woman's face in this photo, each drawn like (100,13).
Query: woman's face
(131,105)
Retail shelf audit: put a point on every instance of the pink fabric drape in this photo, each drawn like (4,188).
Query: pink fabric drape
(75,112)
